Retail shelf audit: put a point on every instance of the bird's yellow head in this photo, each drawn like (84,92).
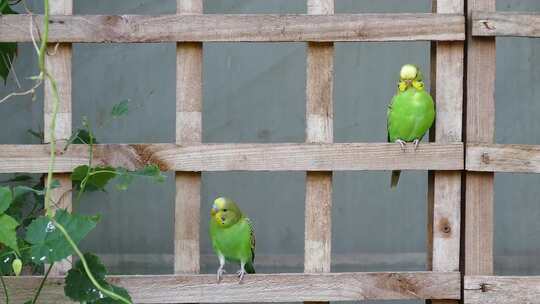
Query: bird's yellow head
(410,76)
(225,212)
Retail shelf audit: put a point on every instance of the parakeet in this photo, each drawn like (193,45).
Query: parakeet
(233,237)
(410,113)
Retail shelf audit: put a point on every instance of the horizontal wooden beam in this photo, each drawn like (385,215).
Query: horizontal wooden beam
(255,28)
(501,289)
(503,158)
(523,24)
(352,286)
(239,157)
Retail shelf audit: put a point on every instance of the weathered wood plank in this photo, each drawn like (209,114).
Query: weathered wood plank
(444,192)
(240,157)
(257,27)
(319,129)
(503,158)
(522,24)
(502,289)
(189,61)
(58,63)
(352,286)
(445,219)
(480,128)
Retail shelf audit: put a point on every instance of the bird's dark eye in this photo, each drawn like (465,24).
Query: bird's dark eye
(224,210)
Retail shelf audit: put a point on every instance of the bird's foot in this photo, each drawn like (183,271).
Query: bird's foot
(402,144)
(241,273)
(416,142)
(220,273)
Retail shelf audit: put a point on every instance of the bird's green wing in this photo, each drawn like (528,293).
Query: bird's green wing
(388,121)
(425,116)
(252,238)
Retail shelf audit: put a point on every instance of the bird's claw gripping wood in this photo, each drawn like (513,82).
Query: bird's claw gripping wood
(416,142)
(241,273)
(402,144)
(220,273)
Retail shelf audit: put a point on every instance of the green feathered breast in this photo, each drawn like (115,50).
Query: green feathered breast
(236,243)
(410,115)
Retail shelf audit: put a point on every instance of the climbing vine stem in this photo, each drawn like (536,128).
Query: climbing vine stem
(34,301)
(44,74)
(4,287)
(86,268)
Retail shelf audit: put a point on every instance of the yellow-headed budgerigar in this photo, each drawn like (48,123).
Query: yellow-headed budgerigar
(410,113)
(233,238)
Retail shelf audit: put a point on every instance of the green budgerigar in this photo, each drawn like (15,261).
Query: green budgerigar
(233,238)
(410,113)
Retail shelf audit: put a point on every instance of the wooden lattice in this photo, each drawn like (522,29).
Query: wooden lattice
(445,157)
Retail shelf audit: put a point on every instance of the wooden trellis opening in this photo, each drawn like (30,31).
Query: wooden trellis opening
(484,158)
(319,156)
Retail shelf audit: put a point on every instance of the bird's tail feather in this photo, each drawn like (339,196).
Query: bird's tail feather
(395,179)
(249,268)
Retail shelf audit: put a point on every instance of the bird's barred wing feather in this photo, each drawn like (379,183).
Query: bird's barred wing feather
(252,238)
(388,123)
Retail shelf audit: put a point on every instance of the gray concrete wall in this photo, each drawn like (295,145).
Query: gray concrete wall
(256,93)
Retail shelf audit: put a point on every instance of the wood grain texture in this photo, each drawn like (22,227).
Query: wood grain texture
(189,64)
(502,289)
(319,129)
(479,223)
(522,24)
(318,222)
(187,222)
(480,128)
(240,157)
(447,84)
(58,64)
(503,158)
(351,286)
(232,27)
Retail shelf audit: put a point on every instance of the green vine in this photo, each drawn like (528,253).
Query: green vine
(36,249)
(5,288)
(87,269)
(36,296)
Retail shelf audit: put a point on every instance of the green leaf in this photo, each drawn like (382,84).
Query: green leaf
(49,244)
(54,184)
(98,177)
(19,178)
(8,50)
(5,9)
(119,291)
(8,231)
(37,134)
(120,109)
(79,287)
(6,258)
(149,171)
(82,136)
(124,179)
(20,191)
(6,198)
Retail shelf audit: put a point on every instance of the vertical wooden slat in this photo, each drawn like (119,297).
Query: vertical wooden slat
(445,186)
(319,128)
(480,129)
(188,132)
(58,63)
